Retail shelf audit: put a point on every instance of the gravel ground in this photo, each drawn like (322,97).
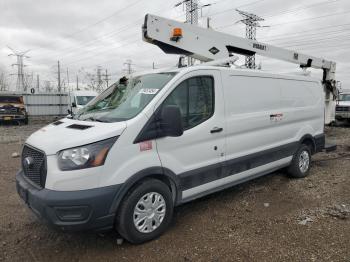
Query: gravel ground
(273,218)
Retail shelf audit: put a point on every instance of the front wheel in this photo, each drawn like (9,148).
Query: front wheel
(146,212)
(300,165)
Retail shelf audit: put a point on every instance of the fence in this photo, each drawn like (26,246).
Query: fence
(44,104)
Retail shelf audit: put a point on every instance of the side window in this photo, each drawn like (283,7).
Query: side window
(195,98)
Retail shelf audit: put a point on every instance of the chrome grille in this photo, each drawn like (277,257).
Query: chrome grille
(343,108)
(36,172)
(9,110)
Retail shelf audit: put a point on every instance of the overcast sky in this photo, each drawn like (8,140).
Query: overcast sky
(89,33)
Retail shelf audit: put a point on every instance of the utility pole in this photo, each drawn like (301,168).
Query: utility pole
(37,83)
(208,22)
(20,85)
(252,22)
(68,80)
(99,79)
(106,78)
(59,76)
(128,63)
(59,85)
(77,83)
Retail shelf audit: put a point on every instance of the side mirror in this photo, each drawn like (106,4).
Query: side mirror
(171,121)
(74,104)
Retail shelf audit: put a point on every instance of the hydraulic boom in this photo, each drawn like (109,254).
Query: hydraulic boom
(206,45)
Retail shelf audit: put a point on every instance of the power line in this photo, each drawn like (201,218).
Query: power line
(104,51)
(296,21)
(298,9)
(300,33)
(234,8)
(311,18)
(104,19)
(107,35)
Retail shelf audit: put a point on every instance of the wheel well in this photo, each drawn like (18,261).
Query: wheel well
(166,180)
(310,143)
(161,177)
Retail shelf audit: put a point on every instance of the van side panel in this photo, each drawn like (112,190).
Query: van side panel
(302,108)
(267,112)
(250,103)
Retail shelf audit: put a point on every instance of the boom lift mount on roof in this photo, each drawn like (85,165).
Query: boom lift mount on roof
(206,45)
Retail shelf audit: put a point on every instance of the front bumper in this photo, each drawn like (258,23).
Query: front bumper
(70,210)
(12,117)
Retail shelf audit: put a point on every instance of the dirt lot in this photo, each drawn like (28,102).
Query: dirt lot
(270,219)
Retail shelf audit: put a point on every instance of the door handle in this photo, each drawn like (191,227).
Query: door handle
(216,130)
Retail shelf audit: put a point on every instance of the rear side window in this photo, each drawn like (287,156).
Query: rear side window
(195,98)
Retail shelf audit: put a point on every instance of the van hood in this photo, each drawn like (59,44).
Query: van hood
(68,133)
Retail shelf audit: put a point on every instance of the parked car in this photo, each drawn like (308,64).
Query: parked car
(12,109)
(78,99)
(158,140)
(342,111)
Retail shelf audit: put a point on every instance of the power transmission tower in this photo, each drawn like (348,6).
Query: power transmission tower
(129,69)
(20,85)
(192,8)
(252,22)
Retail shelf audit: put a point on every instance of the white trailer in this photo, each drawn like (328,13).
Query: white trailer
(174,37)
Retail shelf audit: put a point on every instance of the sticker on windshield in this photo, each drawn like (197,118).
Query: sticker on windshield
(149,91)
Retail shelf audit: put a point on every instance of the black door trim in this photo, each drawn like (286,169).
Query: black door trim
(224,169)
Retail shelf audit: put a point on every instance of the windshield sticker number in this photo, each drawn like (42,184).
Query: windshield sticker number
(149,91)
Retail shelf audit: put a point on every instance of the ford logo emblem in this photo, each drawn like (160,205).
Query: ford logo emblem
(28,162)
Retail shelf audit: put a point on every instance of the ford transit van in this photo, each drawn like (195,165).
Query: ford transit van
(154,141)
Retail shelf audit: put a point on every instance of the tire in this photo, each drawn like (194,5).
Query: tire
(26,121)
(127,218)
(301,162)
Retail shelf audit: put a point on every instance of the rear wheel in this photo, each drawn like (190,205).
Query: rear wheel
(300,165)
(146,212)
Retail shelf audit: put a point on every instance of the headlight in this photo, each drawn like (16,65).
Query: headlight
(87,156)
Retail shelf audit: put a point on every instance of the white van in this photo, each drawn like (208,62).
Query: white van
(78,99)
(158,140)
(342,110)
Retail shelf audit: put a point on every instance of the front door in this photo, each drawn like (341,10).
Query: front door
(196,156)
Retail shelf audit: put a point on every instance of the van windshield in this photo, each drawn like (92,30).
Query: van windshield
(344,97)
(125,99)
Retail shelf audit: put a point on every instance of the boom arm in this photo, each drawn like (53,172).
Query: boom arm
(174,37)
